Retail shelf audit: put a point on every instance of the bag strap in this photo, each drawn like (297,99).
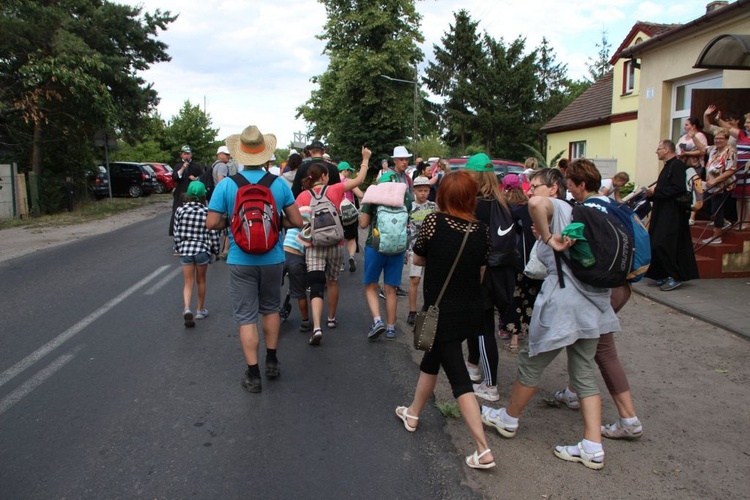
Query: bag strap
(455,263)
(240,180)
(266,180)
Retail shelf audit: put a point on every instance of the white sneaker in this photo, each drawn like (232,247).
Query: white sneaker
(201,314)
(475,373)
(487,392)
(708,241)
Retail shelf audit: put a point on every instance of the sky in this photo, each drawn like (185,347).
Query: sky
(249,62)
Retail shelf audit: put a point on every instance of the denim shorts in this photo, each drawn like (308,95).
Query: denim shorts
(390,265)
(199,259)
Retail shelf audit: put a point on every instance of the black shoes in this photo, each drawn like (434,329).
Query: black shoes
(273,369)
(251,384)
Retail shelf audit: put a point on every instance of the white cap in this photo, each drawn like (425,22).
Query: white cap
(400,152)
(293,152)
(223,149)
(421,181)
(273,158)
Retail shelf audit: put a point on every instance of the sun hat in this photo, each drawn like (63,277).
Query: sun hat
(223,149)
(400,152)
(421,181)
(387,177)
(344,165)
(196,189)
(251,147)
(511,181)
(185,149)
(480,163)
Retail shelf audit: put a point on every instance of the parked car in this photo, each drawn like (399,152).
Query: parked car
(126,178)
(97,182)
(164,181)
(502,167)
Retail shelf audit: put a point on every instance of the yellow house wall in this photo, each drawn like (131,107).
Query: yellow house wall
(625,103)
(622,139)
(660,68)
(597,142)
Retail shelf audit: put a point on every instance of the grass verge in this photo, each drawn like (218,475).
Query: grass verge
(86,211)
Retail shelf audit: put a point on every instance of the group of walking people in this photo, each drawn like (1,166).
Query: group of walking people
(461,235)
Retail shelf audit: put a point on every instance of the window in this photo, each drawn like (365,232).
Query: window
(682,97)
(628,77)
(577,149)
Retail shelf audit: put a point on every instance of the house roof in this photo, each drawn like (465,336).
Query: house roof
(593,107)
(728,11)
(650,29)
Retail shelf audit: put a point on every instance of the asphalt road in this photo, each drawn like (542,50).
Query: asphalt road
(105,394)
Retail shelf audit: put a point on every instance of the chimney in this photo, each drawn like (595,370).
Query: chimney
(714,6)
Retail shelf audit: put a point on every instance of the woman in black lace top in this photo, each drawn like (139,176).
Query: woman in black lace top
(436,247)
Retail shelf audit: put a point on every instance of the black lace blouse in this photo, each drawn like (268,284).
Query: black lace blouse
(438,242)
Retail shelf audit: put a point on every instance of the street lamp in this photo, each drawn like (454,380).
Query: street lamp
(416,101)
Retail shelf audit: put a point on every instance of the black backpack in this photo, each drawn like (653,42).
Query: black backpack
(207,178)
(503,234)
(611,245)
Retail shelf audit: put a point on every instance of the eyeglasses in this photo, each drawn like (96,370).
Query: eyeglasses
(534,186)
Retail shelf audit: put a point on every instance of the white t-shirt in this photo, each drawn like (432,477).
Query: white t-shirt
(607,184)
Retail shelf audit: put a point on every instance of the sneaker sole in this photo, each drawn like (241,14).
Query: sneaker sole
(586,463)
(189,321)
(316,338)
(487,397)
(626,437)
(377,333)
(665,288)
(500,430)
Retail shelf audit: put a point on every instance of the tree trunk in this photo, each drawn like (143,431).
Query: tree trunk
(36,149)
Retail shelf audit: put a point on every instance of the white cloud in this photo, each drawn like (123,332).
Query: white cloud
(252,60)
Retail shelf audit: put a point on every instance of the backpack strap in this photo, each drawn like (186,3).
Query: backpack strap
(558,257)
(267,179)
(240,180)
(322,193)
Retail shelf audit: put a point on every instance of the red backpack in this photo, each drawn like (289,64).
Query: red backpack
(255,221)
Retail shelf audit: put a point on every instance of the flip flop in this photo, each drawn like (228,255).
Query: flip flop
(404,416)
(473,460)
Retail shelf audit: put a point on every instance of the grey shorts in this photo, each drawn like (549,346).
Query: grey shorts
(581,366)
(253,290)
(296,274)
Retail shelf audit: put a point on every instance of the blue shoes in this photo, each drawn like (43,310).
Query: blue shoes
(390,334)
(670,284)
(376,330)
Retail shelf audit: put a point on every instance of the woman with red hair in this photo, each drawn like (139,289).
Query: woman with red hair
(440,240)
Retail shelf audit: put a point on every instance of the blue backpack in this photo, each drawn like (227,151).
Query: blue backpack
(634,225)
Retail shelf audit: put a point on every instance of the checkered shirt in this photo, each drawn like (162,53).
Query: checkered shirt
(190,233)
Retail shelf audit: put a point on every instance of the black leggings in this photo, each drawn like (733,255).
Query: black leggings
(485,343)
(450,356)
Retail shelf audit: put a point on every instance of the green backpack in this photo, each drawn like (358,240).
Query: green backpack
(389,236)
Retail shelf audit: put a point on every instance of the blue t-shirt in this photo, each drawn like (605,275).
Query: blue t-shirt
(222,201)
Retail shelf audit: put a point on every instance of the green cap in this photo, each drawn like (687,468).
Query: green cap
(387,177)
(196,190)
(480,163)
(345,166)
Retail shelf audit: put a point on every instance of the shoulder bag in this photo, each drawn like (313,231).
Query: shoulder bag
(426,322)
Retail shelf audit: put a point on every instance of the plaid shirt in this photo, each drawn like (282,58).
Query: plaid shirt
(190,233)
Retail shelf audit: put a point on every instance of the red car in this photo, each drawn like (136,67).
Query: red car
(164,181)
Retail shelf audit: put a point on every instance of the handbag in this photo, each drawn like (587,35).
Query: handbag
(426,322)
(534,268)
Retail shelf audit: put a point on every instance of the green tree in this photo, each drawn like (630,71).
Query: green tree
(68,69)
(192,126)
(505,102)
(352,105)
(454,77)
(600,66)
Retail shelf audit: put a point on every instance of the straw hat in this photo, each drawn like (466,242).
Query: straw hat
(251,147)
